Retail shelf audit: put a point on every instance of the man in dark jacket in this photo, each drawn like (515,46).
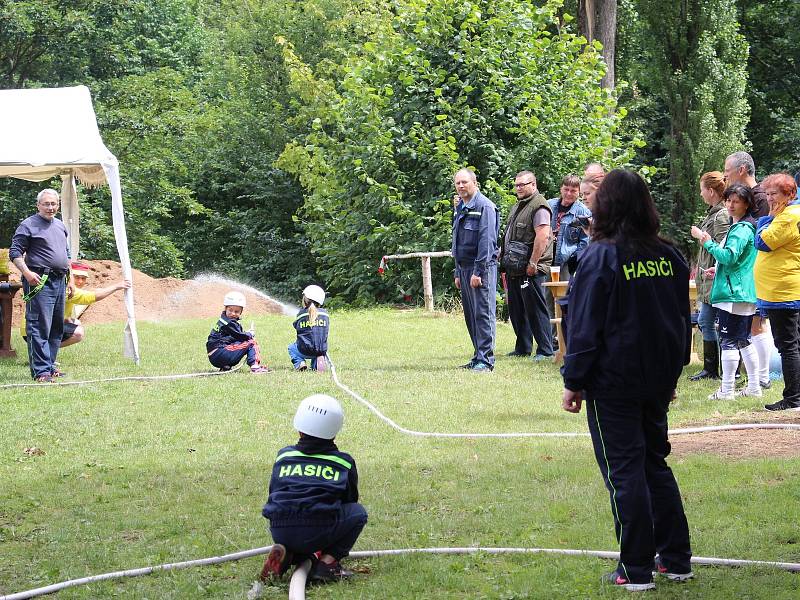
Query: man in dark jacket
(527,236)
(475,230)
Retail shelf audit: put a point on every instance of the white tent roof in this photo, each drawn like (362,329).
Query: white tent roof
(45,131)
(53,132)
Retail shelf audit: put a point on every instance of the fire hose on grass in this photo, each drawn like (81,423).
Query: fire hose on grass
(297,584)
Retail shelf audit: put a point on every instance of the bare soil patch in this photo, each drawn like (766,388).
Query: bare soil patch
(159,299)
(766,443)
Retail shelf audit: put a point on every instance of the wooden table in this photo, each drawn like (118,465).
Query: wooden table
(7,309)
(559,288)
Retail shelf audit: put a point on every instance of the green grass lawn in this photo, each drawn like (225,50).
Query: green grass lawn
(142,473)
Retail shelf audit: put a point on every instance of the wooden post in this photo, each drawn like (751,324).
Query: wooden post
(427,286)
(427,283)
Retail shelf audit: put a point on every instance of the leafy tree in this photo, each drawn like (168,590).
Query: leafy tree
(691,58)
(771,29)
(442,84)
(142,61)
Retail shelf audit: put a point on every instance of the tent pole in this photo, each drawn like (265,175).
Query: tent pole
(70,213)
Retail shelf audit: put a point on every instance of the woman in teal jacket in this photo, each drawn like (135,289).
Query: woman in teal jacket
(733,292)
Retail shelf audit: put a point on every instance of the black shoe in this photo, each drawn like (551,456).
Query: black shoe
(703,375)
(224,369)
(618,579)
(664,572)
(783,405)
(277,562)
(468,365)
(323,572)
(710,363)
(515,353)
(481,367)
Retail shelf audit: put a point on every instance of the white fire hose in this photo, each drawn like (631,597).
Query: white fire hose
(298,581)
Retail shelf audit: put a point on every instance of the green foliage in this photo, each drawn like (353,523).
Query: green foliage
(691,56)
(439,85)
(141,59)
(771,29)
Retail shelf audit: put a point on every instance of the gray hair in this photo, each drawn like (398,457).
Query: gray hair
(743,159)
(523,173)
(470,172)
(47,192)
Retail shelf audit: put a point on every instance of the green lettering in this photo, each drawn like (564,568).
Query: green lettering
(327,473)
(296,470)
(664,267)
(640,270)
(629,271)
(336,477)
(651,268)
(309,470)
(285,470)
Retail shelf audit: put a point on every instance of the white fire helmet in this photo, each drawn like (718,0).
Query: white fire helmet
(320,416)
(315,293)
(234,298)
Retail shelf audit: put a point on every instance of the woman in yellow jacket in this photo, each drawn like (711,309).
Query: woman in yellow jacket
(777,278)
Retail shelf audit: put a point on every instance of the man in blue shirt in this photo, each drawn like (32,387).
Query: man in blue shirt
(42,240)
(475,231)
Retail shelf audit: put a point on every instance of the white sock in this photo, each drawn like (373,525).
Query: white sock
(764,344)
(750,360)
(730,360)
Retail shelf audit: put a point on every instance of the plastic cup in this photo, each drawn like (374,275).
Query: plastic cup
(555,274)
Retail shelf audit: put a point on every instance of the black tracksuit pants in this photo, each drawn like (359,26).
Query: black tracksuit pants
(630,442)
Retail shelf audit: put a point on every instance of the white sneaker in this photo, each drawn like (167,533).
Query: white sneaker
(745,392)
(720,395)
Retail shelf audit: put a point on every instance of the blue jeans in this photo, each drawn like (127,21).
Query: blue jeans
(298,358)
(44,324)
(705,321)
(336,538)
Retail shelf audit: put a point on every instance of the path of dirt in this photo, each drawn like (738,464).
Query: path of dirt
(767,443)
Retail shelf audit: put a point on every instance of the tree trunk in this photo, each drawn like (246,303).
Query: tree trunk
(598,21)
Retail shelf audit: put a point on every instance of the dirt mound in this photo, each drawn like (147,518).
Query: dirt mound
(160,299)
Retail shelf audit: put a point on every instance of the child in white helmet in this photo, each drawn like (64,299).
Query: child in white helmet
(228,343)
(313,506)
(312,324)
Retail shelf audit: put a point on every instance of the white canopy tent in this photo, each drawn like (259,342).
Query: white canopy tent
(53,131)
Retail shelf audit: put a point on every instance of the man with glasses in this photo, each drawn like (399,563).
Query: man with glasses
(42,241)
(526,253)
(475,229)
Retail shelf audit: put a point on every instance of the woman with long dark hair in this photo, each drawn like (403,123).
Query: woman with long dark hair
(628,340)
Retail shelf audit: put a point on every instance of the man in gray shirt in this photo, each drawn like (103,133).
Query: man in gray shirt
(39,249)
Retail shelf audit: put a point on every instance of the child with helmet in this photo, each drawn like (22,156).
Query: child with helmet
(313,506)
(312,324)
(228,343)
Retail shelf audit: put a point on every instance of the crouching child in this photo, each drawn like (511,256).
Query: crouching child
(228,343)
(313,506)
(312,324)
